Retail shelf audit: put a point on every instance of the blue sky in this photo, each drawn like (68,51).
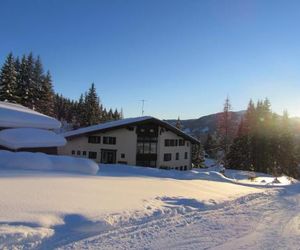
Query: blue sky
(183,57)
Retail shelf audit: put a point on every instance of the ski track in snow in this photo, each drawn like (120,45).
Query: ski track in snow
(269,220)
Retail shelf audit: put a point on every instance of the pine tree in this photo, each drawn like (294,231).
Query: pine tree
(197,155)
(286,149)
(121,114)
(211,146)
(26,86)
(38,79)
(109,116)
(225,128)
(8,80)
(45,102)
(93,108)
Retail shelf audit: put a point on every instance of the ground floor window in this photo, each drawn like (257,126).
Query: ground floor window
(92,155)
(167,157)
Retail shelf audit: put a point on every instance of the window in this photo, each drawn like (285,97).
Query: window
(171,143)
(122,156)
(185,155)
(177,156)
(167,157)
(109,140)
(73,152)
(94,139)
(93,155)
(130,128)
(84,153)
(78,152)
(153,148)
(181,142)
(187,143)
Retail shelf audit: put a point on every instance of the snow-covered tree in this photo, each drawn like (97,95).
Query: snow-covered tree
(8,80)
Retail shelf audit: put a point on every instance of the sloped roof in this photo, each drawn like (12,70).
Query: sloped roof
(102,127)
(17,116)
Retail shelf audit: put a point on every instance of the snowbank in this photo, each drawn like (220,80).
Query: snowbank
(40,161)
(17,116)
(258,179)
(30,138)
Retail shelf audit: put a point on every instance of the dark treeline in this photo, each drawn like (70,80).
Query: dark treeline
(263,141)
(25,82)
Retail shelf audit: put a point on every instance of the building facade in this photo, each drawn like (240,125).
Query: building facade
(143,141)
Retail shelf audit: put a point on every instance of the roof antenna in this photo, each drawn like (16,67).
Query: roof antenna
(143,104)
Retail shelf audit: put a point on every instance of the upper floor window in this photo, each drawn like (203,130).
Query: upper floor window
(181,142)
(185,155)
(94,139)
(171,142)
(177,156)
(109,140)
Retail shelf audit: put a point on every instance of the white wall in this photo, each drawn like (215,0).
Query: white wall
(125,144)
(162,149)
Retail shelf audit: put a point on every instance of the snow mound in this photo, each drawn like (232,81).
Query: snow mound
(16,116)
(30,138)
(22,237)
(40,161)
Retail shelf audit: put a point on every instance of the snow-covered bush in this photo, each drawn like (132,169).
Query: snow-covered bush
(40,161)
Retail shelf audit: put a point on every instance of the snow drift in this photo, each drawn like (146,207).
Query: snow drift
(40,161)
(17,116)
(30,138)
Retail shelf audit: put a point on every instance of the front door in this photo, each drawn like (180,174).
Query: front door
(108,156)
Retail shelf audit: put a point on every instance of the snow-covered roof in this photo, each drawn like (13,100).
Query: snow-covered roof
(126,122)
(17,116)
(17,138)
(106,125)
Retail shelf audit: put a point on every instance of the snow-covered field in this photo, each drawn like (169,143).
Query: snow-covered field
(141,208)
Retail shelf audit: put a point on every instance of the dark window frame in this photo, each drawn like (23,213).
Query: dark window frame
(109,140)
(92,155)
(94,139)
(185,155)
(167,157)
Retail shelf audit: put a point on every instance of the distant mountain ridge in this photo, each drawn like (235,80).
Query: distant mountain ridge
(208,124)
(205,124)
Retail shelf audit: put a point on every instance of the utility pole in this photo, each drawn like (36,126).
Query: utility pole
(143,104)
